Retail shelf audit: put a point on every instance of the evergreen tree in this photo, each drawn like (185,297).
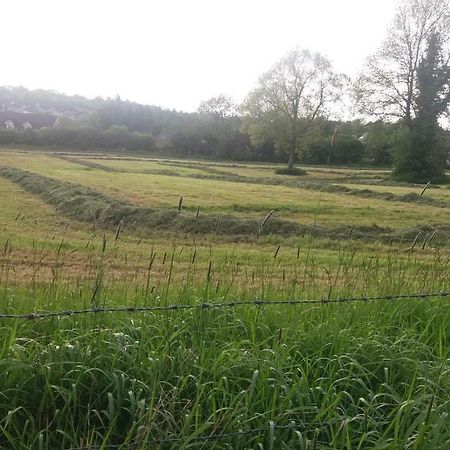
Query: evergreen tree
(420,158)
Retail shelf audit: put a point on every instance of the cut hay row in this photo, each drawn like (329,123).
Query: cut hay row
(411,197)
(87,205)
(219,175)
(94,165)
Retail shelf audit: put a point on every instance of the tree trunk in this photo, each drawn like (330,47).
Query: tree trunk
(292,150)
(291,158)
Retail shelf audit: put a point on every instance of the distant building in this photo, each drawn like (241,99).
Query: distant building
(363,138)
(28,120)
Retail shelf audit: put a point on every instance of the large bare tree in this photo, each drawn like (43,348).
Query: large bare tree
(387,87)
(289,97)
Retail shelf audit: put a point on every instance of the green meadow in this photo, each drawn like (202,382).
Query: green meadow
(95,231)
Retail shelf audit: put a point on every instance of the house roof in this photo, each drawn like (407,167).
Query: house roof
(37,120)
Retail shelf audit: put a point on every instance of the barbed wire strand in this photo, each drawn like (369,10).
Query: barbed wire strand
(216,305)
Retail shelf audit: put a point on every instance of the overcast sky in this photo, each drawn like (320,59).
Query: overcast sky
(175,53)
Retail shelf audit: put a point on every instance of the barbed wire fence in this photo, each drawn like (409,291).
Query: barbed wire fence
(219,305)
(253,432)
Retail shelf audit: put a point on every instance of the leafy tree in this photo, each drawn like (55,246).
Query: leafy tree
(332,142)
(288,98)
(221,106)
(388,87)
(380,140)
(220,126)
(421,158)
(207,134)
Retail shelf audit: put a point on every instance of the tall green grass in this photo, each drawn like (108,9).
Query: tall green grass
(359,375)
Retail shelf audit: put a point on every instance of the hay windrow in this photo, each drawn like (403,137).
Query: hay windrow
(220,175)
(98,166)
(411,197)
(87,205)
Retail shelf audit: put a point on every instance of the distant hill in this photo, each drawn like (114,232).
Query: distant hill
(102,112)
(21,99)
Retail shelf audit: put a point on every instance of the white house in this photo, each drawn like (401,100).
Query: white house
(27,125)
(9,124)
(363,138)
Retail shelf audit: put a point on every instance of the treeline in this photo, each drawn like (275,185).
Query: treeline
(215,131)
(80,137)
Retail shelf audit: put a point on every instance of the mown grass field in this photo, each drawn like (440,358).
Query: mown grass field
(344,374)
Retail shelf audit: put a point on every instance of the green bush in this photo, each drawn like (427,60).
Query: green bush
(290,171)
